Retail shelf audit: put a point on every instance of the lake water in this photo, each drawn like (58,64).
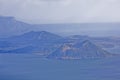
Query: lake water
(33,67)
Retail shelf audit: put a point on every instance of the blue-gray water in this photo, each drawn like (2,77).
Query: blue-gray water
(32,67)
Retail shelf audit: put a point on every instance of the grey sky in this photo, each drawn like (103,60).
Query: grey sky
(62,11)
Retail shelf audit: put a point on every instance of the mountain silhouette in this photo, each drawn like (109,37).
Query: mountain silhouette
(41,42)
(85,49)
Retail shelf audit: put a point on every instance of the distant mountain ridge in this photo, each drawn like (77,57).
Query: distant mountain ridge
(10,26)
(53,46)
(41,42)
(36,36)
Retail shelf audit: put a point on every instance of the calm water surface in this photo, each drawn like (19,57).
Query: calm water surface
(33,67)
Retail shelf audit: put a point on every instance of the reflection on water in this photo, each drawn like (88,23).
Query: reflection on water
(33,67)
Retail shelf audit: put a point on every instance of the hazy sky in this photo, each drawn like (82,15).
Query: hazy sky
(62,11)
